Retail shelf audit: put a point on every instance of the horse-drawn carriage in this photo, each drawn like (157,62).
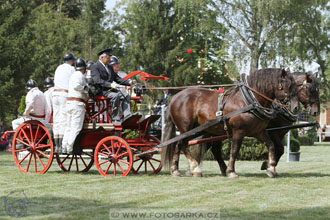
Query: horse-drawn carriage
(110,146)
(243,110)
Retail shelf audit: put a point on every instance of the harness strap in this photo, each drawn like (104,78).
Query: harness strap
(193,132)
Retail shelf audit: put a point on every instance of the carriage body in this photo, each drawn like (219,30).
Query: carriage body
(111,147)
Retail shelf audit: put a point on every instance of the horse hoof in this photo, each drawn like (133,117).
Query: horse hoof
(271,173)
(188,173)
(176,174)
(232,175)
(264,165)
(197,174)
(223,174)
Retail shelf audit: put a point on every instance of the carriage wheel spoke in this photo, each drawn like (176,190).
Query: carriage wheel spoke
(36,134)
(103,154)
(151,165)
(112,146)
(107,170)
(77,163)
(22,142)
(26,137)
(24,158)
(137,160)
(106,161)
(114,169)
(123,161)
(45,155)
(82,159)
(140,166)
(20,150)
(106,148)
(123,154)
(118,149)
(70,163)
(155,160)
(43,146)
(35,163)
(64,159)
(40,161)
(42,138)
(31,134)
(122,170)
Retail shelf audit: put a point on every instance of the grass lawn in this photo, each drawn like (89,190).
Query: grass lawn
(301,191)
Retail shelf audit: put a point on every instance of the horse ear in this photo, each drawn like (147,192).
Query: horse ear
(284,73)
(308,78)
(316,74)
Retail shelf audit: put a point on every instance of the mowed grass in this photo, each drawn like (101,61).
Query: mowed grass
(301,192)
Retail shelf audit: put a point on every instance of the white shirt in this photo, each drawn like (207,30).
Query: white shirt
(77,84)
(62,75)
(49,103)
(35,102)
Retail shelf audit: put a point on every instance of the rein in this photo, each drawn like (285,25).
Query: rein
(265,97)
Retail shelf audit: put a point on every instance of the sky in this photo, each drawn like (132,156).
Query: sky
(110,4)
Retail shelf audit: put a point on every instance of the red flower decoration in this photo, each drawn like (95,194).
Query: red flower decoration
(189,51)
(220,90)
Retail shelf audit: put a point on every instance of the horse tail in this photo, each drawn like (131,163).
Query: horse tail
(169,133)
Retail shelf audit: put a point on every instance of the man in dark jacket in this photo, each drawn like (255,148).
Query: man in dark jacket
(103,75)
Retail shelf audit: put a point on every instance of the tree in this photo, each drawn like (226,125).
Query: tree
(254,24)
(158,41)
(92,18)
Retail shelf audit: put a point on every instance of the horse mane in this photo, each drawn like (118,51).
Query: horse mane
(265,79)
(313,84)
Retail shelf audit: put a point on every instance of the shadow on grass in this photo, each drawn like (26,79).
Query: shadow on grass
(76,208)
(318,212)
(60,208)
(264,175)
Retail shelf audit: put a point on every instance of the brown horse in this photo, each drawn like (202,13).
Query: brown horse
(306,90)
(308,94)
(195,106)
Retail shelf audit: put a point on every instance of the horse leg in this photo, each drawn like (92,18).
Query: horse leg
(235,147)
(193,164)
(271,172)
(175,161)
(279,149)
(216,151)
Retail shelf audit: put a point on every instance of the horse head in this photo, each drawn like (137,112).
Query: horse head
(307,92)
(284,91)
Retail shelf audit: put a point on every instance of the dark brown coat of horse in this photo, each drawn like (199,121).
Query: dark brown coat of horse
(196,106)
(306,90)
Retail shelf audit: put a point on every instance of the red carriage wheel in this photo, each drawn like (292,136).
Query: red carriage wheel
(113,157)
(147,164)
(76,162)
(32,147)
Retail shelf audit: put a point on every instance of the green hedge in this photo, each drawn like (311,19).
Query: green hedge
(251,149)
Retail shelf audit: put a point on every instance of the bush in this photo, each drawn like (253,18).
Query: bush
(305,140)
(294,145)
(251,149)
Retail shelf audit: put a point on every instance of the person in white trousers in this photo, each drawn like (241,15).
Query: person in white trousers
(49,87)
(35,104)
(61,88)
(75,107)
